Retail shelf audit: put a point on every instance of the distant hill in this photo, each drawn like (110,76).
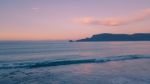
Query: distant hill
(117,37)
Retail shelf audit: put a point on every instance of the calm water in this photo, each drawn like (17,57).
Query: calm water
(74,63)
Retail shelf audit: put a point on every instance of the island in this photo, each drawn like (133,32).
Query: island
(116,37)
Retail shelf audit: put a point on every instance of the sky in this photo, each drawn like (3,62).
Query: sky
(71,19)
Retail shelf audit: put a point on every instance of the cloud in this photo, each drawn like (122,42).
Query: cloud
(115,21)
(35,9)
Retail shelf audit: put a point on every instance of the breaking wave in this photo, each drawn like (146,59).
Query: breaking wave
(69,61)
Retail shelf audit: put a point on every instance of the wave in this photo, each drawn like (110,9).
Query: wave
(69,62)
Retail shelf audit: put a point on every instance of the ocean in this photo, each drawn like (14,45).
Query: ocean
(60,62)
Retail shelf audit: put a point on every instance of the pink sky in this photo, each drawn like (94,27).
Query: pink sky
(71,19)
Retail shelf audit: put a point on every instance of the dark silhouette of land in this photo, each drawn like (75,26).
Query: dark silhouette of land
(117,37)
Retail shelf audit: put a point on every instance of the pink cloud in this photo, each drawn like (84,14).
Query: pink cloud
(35,9)
(115,21)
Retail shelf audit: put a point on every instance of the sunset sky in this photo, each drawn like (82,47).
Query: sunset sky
(71,19)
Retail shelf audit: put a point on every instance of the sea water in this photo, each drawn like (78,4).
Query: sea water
(47,62)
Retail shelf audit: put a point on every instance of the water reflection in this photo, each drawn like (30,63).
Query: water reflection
(84,69)
(98,49)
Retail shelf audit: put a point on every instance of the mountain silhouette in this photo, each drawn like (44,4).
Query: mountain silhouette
(117,37)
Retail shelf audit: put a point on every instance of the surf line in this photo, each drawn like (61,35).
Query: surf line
(69,62)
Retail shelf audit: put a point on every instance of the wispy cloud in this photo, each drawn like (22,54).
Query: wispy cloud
(115,21)
(35,9)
